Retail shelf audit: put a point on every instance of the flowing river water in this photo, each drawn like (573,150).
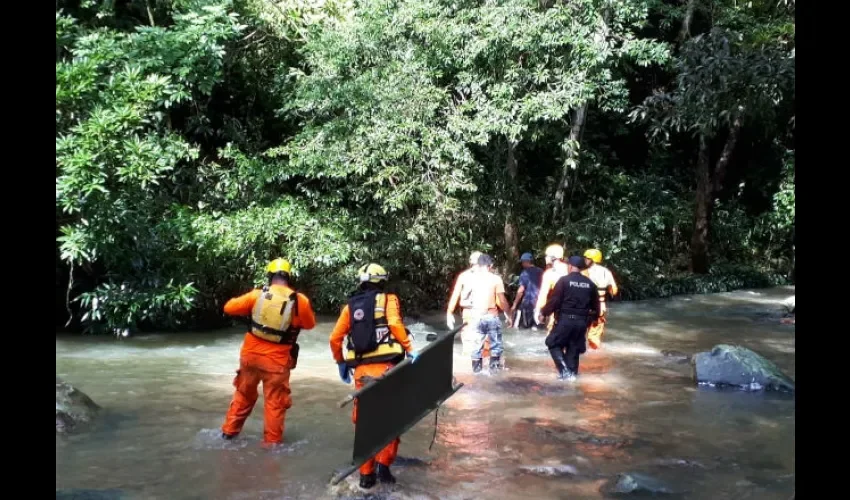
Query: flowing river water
(519,435)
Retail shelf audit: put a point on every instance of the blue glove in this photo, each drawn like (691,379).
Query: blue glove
(413,355)
(344,373)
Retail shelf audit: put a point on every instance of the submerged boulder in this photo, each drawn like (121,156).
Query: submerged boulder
(75,494)
(562,470)
(634,483)
(729,365)
(790,304)
(677,356)
(790,315)
(72,407)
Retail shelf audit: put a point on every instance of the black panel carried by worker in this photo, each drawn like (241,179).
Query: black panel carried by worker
(575,303)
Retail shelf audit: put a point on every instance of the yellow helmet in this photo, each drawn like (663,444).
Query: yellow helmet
(279,266)
(373,273)
(473,257)
(555,251)
(594,255)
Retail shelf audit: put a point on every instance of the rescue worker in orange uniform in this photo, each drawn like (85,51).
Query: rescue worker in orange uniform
(376,341)
(462,296)
(604,281)
(555,258)
(269,352)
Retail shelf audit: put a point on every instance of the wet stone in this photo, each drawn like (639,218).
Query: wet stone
(736,366)
(677,356)
(679,462)
(633,483)
(548,430)
(73,407)
(550,470)
(522,386)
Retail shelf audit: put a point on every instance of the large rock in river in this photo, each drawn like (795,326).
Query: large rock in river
(729,365)
(72,407)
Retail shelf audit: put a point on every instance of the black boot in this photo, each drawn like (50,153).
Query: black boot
(476,365)
(572,368)
(494,364)
(384,474)
(227,436)
(367,480)
(561,365)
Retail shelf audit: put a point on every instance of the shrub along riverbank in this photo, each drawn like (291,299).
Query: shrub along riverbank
(199,139)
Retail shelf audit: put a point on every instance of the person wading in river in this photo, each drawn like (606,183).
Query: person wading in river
(604,281)
(526,295)
(487,296)
(555,259)
(575,304)
(269,351)
(461,295)
(377,341)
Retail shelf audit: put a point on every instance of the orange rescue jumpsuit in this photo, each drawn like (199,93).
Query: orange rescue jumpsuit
(604,281)
(266,362)
(364,372)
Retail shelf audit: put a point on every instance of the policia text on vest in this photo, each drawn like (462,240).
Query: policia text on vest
(575,303)
(407,393)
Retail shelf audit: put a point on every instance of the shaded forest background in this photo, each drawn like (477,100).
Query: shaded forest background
(198,139)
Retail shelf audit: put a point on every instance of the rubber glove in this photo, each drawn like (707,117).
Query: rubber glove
(344,373)
(538,316)
(450,321)
(413,355)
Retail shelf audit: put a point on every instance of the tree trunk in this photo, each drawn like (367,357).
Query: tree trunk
(603,34)
(702,210)
(685,32)
(511,232)
(726,155)
(572,156)
(150,12)
(708,185)
(793,274)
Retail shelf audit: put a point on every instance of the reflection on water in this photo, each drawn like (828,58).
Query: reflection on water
(633,409)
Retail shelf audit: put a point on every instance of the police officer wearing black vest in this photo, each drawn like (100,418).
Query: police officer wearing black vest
(575,303)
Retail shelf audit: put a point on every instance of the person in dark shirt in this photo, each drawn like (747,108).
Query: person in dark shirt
(526,295)
(575,303)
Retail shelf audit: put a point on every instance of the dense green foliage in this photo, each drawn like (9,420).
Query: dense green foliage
(198,139)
